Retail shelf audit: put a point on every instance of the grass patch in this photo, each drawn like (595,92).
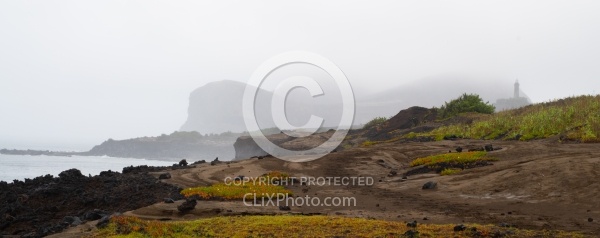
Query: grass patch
(449,171)
(451,163)
(453,158)
(300,226)
(263,186)
(369,143)
(575,118)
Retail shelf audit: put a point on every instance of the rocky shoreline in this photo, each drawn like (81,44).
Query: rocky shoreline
(46,205)
(175,146)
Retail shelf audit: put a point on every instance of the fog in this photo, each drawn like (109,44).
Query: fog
(75,73)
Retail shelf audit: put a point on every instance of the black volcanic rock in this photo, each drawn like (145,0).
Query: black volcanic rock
(410,118)
(460,227)
(488,147)
(164,176)
(46,204)
(188,205)
(429,185)
(70,174)
(168,200)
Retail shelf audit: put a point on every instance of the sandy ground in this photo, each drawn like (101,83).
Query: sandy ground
(534,185)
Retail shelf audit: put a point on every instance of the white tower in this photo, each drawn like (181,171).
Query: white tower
(516,93)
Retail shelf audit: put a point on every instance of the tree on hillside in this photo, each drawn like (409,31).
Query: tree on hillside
(465,103)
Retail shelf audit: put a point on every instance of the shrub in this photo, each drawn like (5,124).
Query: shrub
(375,122)
(465,103)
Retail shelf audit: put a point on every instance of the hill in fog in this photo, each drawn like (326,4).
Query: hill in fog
(217,107)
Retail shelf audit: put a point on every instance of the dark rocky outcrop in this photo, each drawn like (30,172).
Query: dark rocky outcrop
(47,204)
(94,215)
(477,149)
(142,169)
(165,175)
(199,162)
(430,185)
(188,205)
(215,162)
(460,227)
(411,234)
(285,208)
(38,152)
(488,148)
(72,221)
(412,119)
(168,200)
(392,173)
(176,146)
(103,222)
(246,146)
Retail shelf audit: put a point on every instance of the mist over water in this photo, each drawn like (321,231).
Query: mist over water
(20,167)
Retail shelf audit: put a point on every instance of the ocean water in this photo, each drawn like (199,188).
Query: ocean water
(25,166)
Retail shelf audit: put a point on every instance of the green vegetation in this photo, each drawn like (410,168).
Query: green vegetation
(449,171)
(369,143)
(576,118)
(451,163)
(263,186)
(454,158)
(300,226)
(465,103)
(375,122)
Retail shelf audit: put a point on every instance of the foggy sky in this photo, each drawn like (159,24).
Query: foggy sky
(78,72)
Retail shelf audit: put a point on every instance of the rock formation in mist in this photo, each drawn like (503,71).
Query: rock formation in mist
(217,106)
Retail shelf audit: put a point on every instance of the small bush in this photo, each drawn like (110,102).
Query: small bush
(465,103)
(375,122)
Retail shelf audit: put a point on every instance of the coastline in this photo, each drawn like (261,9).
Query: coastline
(21,167)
